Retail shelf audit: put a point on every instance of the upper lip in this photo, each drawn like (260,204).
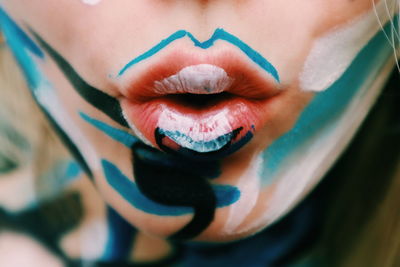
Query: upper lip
(248,81)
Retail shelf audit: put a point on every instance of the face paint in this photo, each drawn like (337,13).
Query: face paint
(203,135)
(25,51)
(198,79)
(107,104)
(145,160)
(222,121)
(225,195)
(219,34)
(296,161)
(184,177)
(91,2)
(204,205)
(200,108)
(128,140)
(249,185)
(118,135)
(321,69)
(111,107)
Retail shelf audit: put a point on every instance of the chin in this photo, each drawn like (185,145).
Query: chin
(231,204)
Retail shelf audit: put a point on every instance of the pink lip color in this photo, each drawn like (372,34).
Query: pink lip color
(241,104)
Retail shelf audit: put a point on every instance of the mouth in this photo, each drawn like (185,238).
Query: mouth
(202,108)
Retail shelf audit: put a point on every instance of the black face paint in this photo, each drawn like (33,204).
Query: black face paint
(102,101)
(175,186)
(163,178)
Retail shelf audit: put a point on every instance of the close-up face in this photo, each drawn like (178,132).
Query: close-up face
(201,120)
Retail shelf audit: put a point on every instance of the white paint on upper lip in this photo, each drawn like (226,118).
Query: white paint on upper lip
(196,79)
(333,53)
(91,2)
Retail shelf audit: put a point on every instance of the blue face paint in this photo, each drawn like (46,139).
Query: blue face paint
(22,46)
(328,106)
(73,170)
(219,34)
(118,135)
(226,195)
(24,50)
(209,170)
(158,174)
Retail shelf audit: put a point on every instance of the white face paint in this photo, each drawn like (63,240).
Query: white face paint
(49,100)
(333,53)
(91,2)
(197,79)
(249,186)
(304,168)
(201,135)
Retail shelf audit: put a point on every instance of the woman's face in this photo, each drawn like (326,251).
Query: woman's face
(171,104)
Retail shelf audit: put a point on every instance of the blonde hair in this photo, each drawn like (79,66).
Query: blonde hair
(19,115)
(362,225)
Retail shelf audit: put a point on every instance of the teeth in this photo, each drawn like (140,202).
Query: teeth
(196,79)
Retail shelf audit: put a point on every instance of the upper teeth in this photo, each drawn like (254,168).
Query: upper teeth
(196,79)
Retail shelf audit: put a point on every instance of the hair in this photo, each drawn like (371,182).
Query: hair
(362,216)
(26,138)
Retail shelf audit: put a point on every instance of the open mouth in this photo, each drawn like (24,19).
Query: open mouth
(201,110)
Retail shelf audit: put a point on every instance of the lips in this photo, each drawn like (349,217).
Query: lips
(204,107)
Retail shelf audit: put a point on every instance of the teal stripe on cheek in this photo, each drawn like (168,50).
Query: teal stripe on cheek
(118,135)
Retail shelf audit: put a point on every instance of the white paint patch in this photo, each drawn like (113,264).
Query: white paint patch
(49,100)
(304,169)
(249,186)
(333,53)
(204,129)
(91,2)
(197,79)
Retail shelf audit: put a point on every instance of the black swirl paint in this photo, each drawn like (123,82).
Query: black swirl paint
(172,184)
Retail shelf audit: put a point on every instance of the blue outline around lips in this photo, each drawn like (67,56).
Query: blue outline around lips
(219,34)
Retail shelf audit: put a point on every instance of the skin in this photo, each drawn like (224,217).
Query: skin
(98,42)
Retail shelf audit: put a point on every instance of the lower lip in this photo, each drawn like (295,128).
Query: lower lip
(203,133)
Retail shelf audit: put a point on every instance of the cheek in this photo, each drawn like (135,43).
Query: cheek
(332,54)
